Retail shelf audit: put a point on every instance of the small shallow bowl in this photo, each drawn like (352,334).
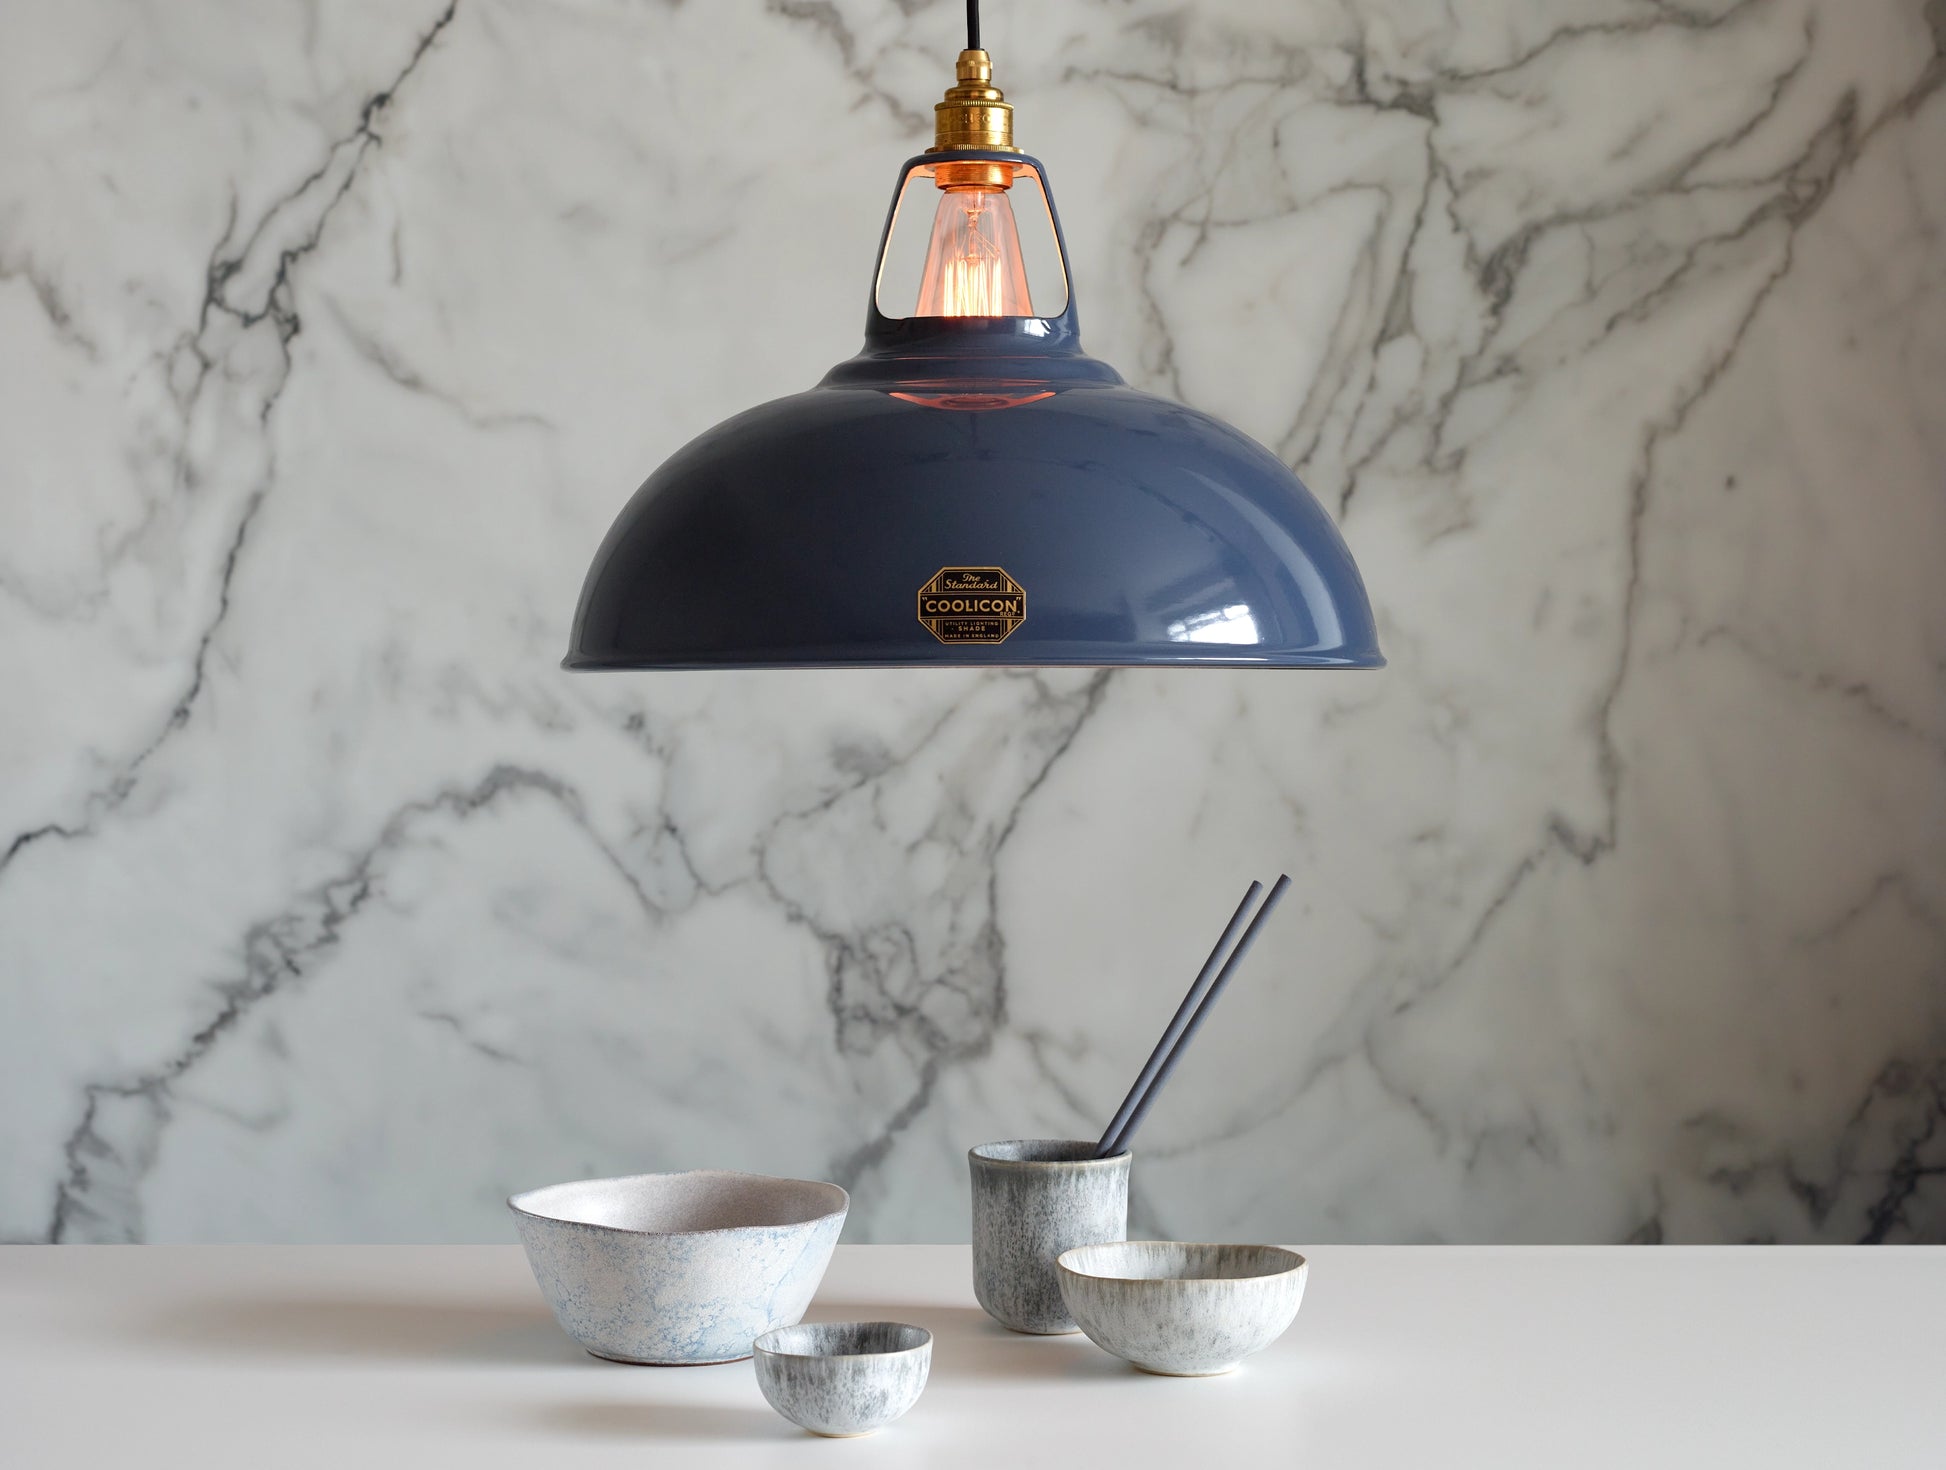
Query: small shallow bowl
(844,1379)
(1188,1311)
(670,1269)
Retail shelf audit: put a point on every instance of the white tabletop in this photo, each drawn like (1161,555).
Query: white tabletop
(1428,1358)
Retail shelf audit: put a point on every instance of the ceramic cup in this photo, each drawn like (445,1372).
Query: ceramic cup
(843,1379)
(1032,1199)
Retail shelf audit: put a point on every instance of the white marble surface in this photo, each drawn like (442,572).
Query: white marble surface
(1613,332)
(1475,1358)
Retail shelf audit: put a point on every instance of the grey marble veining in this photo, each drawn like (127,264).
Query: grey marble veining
(1613,332)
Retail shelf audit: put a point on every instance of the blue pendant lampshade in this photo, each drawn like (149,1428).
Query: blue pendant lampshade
(972,489)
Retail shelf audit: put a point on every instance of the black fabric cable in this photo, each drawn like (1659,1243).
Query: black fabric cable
(972,25)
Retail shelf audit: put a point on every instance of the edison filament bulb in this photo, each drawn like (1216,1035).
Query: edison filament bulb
(974,265)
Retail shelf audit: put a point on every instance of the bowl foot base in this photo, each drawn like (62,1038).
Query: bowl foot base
(665,1362)
(841,1433)
(1185,1373)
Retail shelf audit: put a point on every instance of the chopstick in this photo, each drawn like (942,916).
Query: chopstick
(1198,1003)
(1176,1023)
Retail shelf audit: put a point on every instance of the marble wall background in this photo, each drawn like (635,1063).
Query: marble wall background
(1612,331)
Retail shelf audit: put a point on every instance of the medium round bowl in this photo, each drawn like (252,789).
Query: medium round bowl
(672,1269)
(844,1379)
(1188,1311)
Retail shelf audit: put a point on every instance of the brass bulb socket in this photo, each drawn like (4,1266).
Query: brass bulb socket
(975,114)
(973,173)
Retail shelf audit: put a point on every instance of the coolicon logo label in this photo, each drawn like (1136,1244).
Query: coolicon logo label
(972,605)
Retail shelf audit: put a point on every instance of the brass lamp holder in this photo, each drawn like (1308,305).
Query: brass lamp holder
(975,115)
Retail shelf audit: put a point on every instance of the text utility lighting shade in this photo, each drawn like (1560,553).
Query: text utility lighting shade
(973,488)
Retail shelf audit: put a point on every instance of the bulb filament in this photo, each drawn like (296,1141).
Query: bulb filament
(974,265)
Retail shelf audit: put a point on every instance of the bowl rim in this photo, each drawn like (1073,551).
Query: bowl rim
(757,1344)
(514,1202)
(1296,1267)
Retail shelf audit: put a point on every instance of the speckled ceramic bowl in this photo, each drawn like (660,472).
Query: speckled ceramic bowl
(1188,1311)
(679,1268)
(844,1379)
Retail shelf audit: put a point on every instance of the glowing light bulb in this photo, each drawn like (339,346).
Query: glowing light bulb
(973,265)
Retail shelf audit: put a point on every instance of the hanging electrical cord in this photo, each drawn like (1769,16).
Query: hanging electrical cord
(972,25)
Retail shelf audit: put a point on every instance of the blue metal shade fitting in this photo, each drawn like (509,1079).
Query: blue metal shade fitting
(972,490)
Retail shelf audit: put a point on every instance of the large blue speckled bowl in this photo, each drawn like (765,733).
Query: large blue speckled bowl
(679,1268)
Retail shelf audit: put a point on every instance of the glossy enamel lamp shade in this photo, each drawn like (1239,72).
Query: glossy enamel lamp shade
(972,490)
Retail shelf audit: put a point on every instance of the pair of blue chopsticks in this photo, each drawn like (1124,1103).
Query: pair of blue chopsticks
(1197,1004)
